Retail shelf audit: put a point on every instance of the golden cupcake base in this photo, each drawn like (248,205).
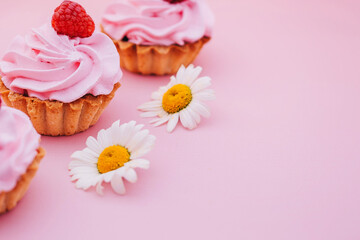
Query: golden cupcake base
(157,60)
(54,118)
(8,200)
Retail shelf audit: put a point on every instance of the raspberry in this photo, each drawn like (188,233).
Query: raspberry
(174,1)
(71,19)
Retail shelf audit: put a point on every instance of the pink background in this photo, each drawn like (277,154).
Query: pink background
(278,159)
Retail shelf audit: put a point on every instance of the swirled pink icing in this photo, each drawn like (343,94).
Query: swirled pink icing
(158,22)
(49,66)
(18,144)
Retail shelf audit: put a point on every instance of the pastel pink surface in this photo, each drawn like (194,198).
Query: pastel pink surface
(278,159)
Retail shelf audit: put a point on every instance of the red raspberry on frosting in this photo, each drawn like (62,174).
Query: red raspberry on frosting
(71,19)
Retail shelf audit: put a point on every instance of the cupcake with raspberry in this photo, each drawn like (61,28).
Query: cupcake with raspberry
(62,74)
(20,155)
(158,36)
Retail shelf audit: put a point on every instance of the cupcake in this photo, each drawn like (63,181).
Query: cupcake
(20,155)
(63,74)
(158,36)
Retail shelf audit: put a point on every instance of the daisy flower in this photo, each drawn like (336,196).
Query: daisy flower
(181,99)
(114,155)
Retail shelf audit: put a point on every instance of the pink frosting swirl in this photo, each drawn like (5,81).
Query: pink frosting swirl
(18,144)
(49,66)
(158,22)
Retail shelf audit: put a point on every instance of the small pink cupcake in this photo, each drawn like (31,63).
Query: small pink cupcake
(158,36)
(62,74)
(20,155)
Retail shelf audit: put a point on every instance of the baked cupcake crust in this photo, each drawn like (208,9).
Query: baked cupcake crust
(157,59)
(8,200)
(55,118)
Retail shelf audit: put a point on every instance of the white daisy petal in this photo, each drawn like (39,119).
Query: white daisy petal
(117,184)
(84,170)
(96,179)
(173,81)
(155,120)
(83,156)
(189,70)
(161,121)
(181,72)
(91,153)
(90,178)
(194,75)
(150,114)
(116,124)
(99,188)
(194,114)
(157,95)
(162,116)
(186,119)
(153,105)
(140,153)
(119,135)
(136,140)
(77,155)
(144,148)
(130,175)
(152,109)
(200,84)
(75,177)
(88,156)
(125,134)
(93,144)
(205,95)
(200,108)
(138,127)
(132,130)
(139,163)
(114,136)
(188,74)
(174,119)
(79,175)
(83,183)
(108,176)
(163,113)
(79,163)
(104,139)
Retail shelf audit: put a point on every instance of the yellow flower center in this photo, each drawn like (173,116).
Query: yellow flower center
(176,98)
(112,158)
